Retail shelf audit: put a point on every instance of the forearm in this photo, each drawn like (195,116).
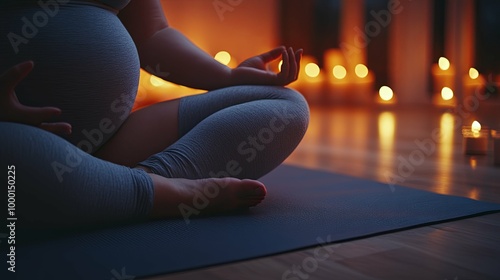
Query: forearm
(167,53)
(170,55)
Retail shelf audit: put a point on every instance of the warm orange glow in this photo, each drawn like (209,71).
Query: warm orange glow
(223,57)
(279,65)
(447,126)
(446,93)
(473,193)
(386,135)
(445,153)
(473,73)
(312,70)
(156,81)
(386,128)
(386,93)
(361,70)
(473,163)
(444,63)
(339,72)
(476,127)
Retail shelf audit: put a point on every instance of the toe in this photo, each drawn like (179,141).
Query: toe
(252,189)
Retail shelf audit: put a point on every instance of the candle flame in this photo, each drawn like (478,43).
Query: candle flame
(473,73)
(476,127)
(223,57)
(444,63)
(312,70)
(361,70)
(386,93)
(279,65)
(446,93)
(339,72)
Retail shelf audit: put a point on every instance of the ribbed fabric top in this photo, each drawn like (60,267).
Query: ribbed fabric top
(114,4)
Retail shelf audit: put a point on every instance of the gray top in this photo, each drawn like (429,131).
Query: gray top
(114,4)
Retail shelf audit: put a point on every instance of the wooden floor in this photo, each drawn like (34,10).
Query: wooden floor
(380,143)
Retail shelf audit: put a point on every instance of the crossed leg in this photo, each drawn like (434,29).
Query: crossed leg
(153,129)
(238,132)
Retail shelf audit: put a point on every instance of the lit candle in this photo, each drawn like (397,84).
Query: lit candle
(473,82)
(336,76)
(475,139)
(338,84)
(386,95)
(443,74)
(332,58)
(362,84)
(446,93)
(495,134)
(310,81)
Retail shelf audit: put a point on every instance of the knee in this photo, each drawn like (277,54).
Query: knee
(296,107)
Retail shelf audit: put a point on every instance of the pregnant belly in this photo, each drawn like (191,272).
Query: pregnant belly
(85,63)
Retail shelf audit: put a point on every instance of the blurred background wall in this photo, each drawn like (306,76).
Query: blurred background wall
(399,41)
(242,27)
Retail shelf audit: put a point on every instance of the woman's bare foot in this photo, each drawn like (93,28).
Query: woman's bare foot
(175,197)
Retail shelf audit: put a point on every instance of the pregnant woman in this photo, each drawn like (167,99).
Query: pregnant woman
(75,69)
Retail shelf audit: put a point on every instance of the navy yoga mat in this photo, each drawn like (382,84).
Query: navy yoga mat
(302,207)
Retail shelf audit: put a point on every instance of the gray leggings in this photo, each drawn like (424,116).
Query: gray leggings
(242,132)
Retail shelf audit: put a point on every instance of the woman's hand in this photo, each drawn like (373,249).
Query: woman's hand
(11,110)
(254,70)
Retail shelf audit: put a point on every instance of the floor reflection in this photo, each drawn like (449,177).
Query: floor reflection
(371,143)
(445,153)
(386,132)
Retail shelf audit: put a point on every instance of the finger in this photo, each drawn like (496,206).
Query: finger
(14,75)
(35,116)
(298,57)
(57,128)
(285,68)
(293,65)
(272,54)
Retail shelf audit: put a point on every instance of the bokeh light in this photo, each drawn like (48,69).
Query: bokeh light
(223,57)
(473,73)
(312,70)
(339,72)
(444,63)
(446,93)
(386,93)
(361,70)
